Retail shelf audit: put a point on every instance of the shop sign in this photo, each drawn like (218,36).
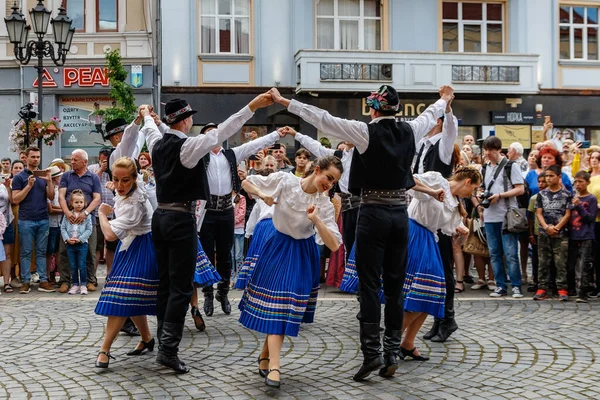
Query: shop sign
(509,134)
(512,117)
(84,77)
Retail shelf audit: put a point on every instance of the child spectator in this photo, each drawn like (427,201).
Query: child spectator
(76,237)
(581,246)
(534,232)
(553,213)
(237,251)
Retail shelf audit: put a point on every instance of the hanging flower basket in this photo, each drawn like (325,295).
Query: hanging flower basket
(48,131)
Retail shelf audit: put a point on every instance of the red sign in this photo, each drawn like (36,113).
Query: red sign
(85,76)
(47,80)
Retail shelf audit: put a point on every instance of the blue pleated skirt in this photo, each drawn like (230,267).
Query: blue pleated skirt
(425,285)
(350,279)
(262,233)
(131,287)
(206,274)
(282,291)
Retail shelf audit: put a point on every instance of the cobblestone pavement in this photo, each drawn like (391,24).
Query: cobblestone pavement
(504,349)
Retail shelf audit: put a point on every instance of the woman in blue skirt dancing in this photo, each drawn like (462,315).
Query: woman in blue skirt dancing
(282,291)
(425,285)
(131,287)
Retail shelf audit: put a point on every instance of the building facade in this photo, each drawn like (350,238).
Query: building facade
(72,92)
(511,62)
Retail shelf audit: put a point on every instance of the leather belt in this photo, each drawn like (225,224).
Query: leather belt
(219,203)
(349,201)
(396,197)
(186,207)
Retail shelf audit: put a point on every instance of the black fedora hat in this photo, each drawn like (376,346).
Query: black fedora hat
(177,110)
(210,125)
(113,127)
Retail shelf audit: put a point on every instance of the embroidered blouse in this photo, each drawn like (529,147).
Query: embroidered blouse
(133,217)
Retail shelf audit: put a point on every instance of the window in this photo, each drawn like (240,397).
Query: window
(76,11)
(473,27)
(106,16)
(578,33)
(225,26)
(349,24)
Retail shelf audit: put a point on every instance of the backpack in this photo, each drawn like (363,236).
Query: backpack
(522,200)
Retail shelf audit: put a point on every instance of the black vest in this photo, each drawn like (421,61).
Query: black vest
(336,187)
(433,162)
(174,182)
(386,162)
(230,156)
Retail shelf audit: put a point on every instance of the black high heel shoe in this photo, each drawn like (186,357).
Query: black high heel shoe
(145,346)
(198,320)
(100,364)
(272,383)
(262,372)
(412,355)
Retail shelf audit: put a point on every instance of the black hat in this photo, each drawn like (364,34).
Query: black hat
(385,99)
(177,110)
(113,127)
(208,126)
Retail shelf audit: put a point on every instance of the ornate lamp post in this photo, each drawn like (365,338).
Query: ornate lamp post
(25,49)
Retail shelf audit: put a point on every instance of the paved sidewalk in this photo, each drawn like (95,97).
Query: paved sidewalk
(504,349)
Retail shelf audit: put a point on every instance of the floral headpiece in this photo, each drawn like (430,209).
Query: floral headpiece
(380,100)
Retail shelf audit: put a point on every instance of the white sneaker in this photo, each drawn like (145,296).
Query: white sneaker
(516,292)
(491,285)
(35,278)
(83,290)
(74,289)
(479,285)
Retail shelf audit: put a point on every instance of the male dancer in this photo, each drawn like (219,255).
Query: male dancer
(217,227)
(380,173)
(180,181)
(436,154)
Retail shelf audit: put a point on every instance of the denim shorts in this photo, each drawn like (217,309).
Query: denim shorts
(53,240)
(9,234)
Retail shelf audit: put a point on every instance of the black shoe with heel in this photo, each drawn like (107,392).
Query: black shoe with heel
(370,345)
(145,346)
(198,320)
(272,383)
(262,372)
(412,355)
(100,364)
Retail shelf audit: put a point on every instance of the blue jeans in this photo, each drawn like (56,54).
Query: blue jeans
(507,245)
(77,254)
(31,232)
(237,254)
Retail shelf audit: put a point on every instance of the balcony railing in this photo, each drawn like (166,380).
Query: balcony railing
(352,71)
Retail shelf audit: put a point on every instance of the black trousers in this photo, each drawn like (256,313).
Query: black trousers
(445,245)
(381,240)
(349,218)
(217,233)
(176,246)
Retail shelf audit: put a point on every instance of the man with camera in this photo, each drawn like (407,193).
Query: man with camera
(500,192)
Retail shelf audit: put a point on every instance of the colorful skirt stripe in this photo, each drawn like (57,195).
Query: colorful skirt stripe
(425,285)
(350,279)
(282,291)
(131,287)
(262,233)
(206,274)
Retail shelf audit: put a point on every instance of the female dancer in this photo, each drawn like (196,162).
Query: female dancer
(282,291)
(131,286)
(424,287)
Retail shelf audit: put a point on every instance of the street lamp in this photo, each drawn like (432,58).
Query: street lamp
(25,49)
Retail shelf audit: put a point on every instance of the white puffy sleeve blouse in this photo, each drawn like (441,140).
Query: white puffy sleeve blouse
(289,215)
(133,217)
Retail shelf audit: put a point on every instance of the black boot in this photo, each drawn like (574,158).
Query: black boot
(209,308)
(129,328)
(391,352)
(370,345)
(159,327)
(434,329)
(169,346)
(447,327)
(225,305)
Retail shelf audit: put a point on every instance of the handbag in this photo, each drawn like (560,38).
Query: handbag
(476,243)
(515,219)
